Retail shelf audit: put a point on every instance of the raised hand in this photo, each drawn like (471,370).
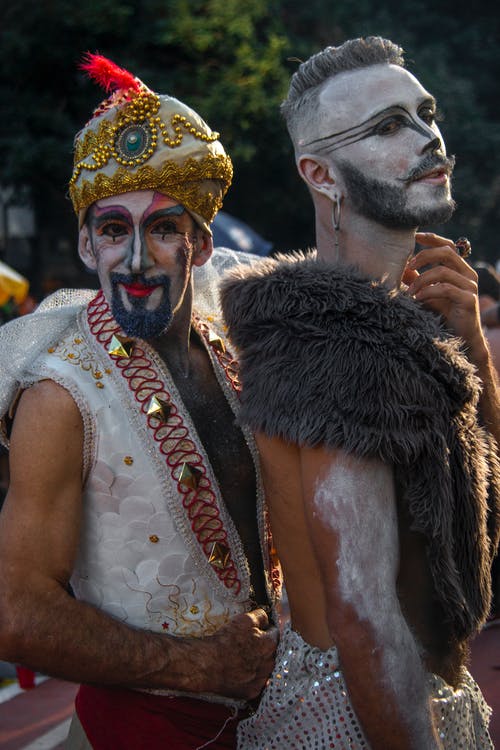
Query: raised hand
(443,281)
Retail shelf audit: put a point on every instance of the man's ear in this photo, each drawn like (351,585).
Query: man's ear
(318,174)
(204,249)
(85,250)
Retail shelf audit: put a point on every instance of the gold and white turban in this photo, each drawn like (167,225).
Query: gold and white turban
(139,140)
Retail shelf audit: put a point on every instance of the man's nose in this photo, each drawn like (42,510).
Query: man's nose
(141,256)
(433,145)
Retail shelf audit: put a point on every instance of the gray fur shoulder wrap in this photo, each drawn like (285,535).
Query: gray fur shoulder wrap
(330,357)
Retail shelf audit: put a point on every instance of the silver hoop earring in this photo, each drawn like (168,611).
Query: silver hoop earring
(336,210)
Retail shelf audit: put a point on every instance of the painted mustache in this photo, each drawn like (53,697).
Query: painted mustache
(430,164)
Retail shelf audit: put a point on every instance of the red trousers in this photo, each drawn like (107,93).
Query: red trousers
(121,719)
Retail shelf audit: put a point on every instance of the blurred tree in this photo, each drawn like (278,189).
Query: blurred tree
(223,59)
(227,60)
(44,102)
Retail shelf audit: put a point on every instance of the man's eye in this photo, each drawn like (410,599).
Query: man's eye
(113,229)
(390,125)
(164,227)
(428,116)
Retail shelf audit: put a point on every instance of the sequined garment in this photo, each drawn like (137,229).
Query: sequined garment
(305,706)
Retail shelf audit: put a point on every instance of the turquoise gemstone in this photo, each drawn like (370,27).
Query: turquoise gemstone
(134,141)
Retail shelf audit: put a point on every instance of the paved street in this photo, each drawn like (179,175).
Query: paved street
(38,719)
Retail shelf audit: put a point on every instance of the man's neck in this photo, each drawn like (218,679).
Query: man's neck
(173,345)
(378,251)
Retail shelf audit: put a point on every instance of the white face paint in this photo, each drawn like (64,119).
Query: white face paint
(143,245)
(356,500)
(379,133)
(387,119)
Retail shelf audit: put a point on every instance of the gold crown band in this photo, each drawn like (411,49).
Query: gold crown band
(180,181)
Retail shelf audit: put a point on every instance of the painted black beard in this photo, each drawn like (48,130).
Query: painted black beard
(387,204)
(139,322)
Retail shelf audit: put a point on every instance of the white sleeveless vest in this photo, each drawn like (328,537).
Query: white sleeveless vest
(158,548)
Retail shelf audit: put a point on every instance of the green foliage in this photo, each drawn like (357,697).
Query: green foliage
(232,61)
(223,58)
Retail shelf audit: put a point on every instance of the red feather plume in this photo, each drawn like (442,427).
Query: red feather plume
(107,74)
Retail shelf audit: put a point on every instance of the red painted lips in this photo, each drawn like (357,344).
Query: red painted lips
(139,290)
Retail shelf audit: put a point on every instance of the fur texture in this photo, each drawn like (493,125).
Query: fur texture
(330,357)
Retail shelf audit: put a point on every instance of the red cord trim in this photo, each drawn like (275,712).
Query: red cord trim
(172,436)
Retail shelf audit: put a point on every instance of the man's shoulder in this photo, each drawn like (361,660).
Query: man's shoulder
(66,299)
(303,296)
(25,341)
(48,396)
(328,356)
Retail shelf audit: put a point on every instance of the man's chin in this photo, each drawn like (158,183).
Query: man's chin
(139,314)
(422,216)
(142,330)
(142,324)
(438,214)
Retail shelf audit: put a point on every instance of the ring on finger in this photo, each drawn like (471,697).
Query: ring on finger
(463,247)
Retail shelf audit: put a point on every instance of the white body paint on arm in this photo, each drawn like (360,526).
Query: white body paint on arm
(354,517)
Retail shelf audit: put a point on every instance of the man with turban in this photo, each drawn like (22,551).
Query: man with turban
(131,482)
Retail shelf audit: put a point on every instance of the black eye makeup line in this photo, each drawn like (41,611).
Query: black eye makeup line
(366,129)
(116,214)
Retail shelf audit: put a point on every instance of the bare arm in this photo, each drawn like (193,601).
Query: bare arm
(351,512)
(449,287)
(493,337)
(43,627)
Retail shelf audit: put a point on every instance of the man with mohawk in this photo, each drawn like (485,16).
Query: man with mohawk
(130,481)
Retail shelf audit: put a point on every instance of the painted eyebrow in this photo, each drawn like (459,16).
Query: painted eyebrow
(109,215)
(163,213)
(176,210)
(100,215)
(366,128)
